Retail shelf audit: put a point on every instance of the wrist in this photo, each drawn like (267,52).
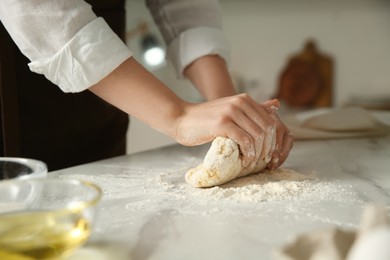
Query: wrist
(173,118)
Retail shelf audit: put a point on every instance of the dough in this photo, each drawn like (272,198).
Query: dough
(221,164)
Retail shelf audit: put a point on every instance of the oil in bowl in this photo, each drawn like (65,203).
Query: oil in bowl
(45,218)
(21,168)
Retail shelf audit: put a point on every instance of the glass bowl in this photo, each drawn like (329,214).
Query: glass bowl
(45,218)
(21,168)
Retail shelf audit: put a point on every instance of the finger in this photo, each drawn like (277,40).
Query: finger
(288,144)
(280,156)
(244,142)
(251,152)
(269,144)
(280,142)
(279,137)
(265,140)
(272,102)
(271,105)
(254,111)
(256,132)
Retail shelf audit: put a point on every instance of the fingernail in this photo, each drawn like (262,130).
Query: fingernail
(272,109)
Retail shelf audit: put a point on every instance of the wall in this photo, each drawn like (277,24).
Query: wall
(356,33)
(263,33)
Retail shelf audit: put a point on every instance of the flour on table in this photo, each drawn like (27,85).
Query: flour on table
(148,190)
(279,185)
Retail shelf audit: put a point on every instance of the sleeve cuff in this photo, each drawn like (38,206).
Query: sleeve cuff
(93,53)
(195,43)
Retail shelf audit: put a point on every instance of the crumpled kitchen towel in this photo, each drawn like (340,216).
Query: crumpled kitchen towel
(370,241)
(335,123)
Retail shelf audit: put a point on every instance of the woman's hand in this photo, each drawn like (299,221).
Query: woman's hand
(241,119)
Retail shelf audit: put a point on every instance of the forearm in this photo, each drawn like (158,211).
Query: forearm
(211,77)
(131,88)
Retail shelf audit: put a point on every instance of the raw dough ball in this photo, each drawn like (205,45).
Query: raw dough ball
(221,164)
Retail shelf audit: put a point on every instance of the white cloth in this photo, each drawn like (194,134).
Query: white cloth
(195,43)
(191,29)
(74,49)
(335,123)
(91,54)
(370,241)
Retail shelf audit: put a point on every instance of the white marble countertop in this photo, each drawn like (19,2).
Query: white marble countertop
(148,212)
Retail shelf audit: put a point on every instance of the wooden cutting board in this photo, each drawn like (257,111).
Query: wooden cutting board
(307,79)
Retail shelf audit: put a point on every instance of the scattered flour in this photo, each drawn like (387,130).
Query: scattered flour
(141,195)
(280,185)
(134,195)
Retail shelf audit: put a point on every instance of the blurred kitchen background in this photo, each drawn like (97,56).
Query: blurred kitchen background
(265,34)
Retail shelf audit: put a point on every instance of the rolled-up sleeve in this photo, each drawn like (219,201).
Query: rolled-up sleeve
(64,40)
(190,28)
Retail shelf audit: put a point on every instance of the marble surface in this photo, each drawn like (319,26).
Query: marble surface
(147,212)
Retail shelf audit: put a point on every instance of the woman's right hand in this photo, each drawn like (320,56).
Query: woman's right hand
(237,117)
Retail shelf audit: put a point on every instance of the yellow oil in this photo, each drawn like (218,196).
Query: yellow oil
(41,235)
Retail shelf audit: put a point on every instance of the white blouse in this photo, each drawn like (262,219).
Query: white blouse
(75,49)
